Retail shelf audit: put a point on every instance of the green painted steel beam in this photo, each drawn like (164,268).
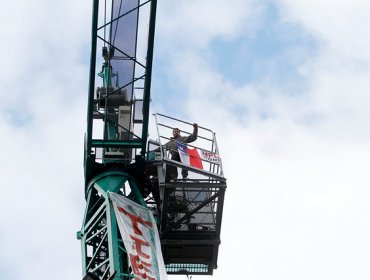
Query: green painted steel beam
(92,74)
(114,256)
(99,230)
(115,144)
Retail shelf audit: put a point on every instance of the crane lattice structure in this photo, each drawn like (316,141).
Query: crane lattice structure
(119,158)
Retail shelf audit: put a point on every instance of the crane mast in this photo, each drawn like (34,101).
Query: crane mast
(118,157)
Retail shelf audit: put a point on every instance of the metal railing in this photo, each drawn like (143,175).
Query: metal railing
(204,150)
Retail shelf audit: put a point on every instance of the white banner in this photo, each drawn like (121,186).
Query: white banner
(211,157)
(140,236)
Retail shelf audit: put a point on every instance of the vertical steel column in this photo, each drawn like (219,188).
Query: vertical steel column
(114,256)
(149,62)
(90,102)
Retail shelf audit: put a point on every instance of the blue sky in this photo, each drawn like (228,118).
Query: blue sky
(285,85)
(274,51)
(270,50)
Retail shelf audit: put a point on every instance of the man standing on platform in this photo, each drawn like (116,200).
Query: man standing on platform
(171,172)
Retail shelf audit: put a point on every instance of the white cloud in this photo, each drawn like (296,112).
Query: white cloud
(340,25)
(44,83)
(339,74)
(197,23)
(298,201)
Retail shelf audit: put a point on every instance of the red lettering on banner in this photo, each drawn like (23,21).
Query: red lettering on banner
(212,157)
(135,220)
(138,265)
(138,244)
(140,268)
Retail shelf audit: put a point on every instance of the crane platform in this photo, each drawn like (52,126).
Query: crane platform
(190,208)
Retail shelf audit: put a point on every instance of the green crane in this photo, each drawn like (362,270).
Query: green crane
(116,156)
